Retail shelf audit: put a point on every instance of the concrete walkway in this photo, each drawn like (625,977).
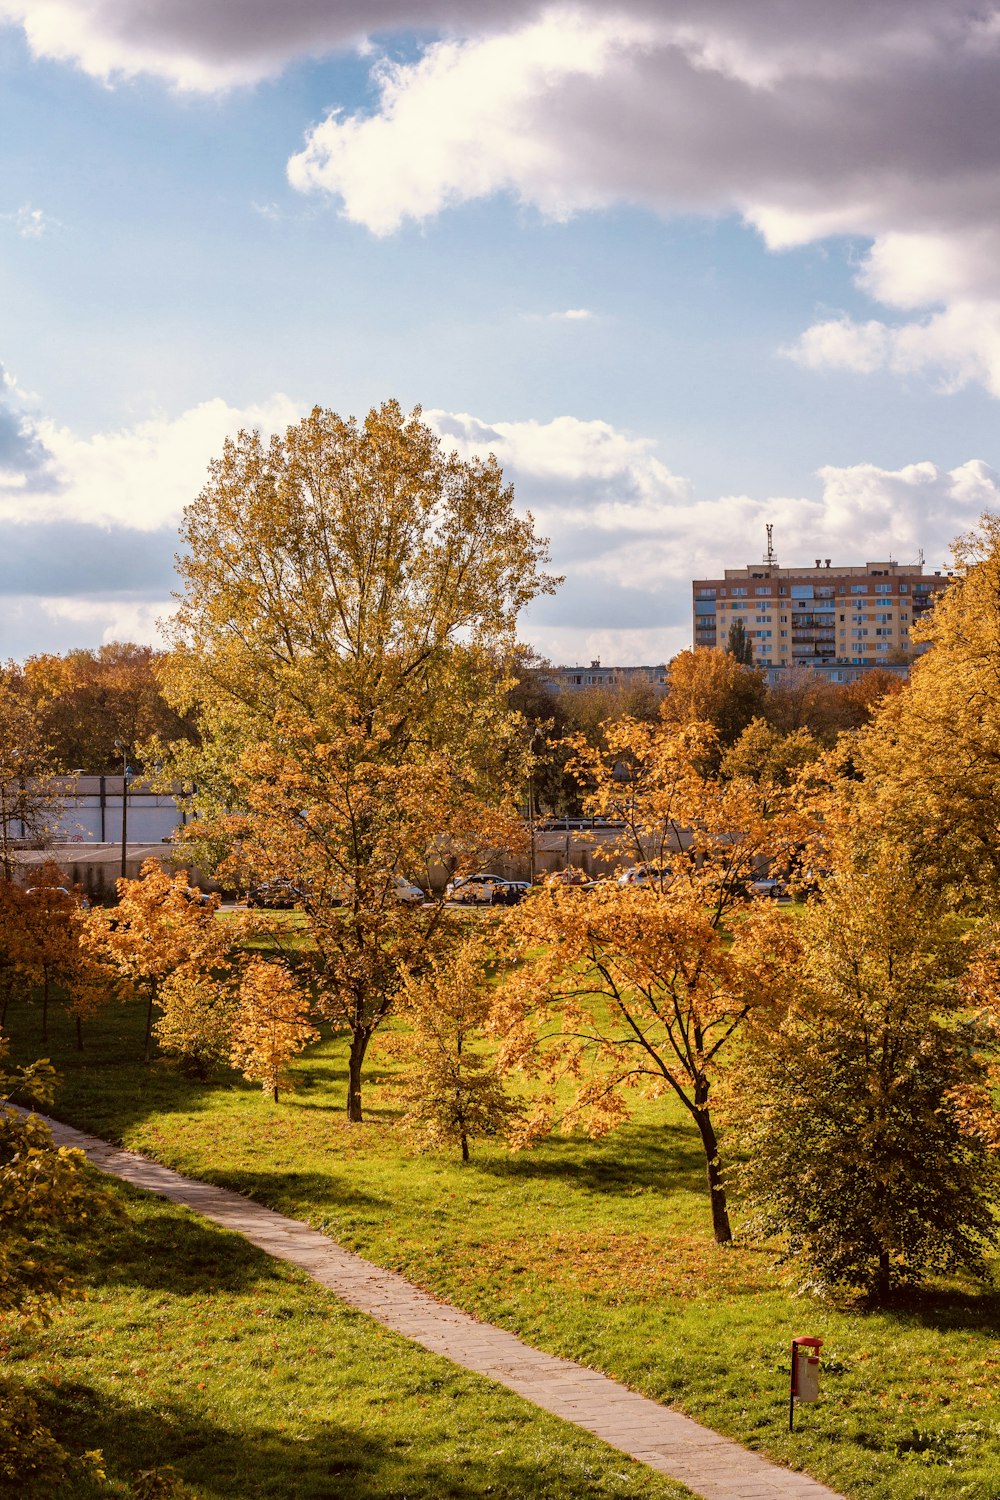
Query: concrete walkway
(712,1466)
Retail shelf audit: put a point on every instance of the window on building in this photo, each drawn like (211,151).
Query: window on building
(859,588)
(883,588)
(739,592)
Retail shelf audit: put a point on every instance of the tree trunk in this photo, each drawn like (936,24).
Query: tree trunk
(147,1055)
(716,1187)
(79,1035)
(275,1093)
(45,1009)
(359,1046)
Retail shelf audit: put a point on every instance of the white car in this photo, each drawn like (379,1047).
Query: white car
(408,893)
(486,890)
(646,875)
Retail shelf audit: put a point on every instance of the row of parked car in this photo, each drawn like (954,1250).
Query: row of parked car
(497,890)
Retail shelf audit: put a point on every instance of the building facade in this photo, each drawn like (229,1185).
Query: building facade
(578,679)
(832,618)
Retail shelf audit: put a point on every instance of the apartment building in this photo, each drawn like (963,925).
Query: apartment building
(824,616)
(577,679)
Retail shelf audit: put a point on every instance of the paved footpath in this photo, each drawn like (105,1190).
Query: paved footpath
(710,1465)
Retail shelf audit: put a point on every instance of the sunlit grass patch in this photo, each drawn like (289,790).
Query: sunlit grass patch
(597,1250)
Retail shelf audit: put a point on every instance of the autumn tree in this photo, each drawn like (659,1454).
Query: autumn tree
(862,1109)
(12,930)
(713,687)
(348,589)
(930,759)
(196,1005)
(30,795)
(767,757)
(739,645)
(154,930)
(271,1025)
(453,1088)
(88,703)
(50,952)
(642,987)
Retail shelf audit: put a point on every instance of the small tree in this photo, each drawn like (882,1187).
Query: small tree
(195,1023)
(271,1025)
(50,955)
(629,989)
(155,929)
(13,980)
(739,645)
(453,1091)
(853,1106)
(30,797)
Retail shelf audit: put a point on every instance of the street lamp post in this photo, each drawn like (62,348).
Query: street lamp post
(535,748)
(126,778)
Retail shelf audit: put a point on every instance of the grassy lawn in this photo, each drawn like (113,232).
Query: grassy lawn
(595,1250)
(200,1367)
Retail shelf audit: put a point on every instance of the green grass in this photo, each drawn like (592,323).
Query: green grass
(600,1251)
(196,1355)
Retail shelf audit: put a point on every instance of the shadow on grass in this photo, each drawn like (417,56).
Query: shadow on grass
(291,1192)
(337,1463)
(660,1159)
(159,1248)
(944,1310)
(391,1452)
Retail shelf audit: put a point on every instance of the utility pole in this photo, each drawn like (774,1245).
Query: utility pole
(126,778)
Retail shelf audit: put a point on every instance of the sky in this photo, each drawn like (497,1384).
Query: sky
(685,266)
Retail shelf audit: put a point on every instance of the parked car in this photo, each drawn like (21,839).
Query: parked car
(49,892)
(773,890)
(486,890)
(570,876)
(654,875)
(279,894)
(408,893)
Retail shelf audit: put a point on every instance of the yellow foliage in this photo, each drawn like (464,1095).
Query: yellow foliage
(453,1088)
(270,1026)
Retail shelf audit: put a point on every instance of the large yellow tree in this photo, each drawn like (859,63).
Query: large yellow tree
(348,589)
(931,759)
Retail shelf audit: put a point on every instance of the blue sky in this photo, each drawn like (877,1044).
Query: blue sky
(685,268)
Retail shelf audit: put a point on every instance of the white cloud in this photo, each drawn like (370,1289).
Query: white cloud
(958,346)
(628,532)
(139,477)
(630,535)
(874,120)
(110,619)
(460,124)
(30,223)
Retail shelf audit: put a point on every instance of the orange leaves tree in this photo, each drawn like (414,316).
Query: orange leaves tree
(30,795)
(627,987)
(349,589)
(639,989)
(154,930)
(453,1090)
(271,1024)
(865,1109)
(53,954)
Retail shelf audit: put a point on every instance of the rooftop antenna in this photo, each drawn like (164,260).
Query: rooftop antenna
(920,556)
(770,559)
